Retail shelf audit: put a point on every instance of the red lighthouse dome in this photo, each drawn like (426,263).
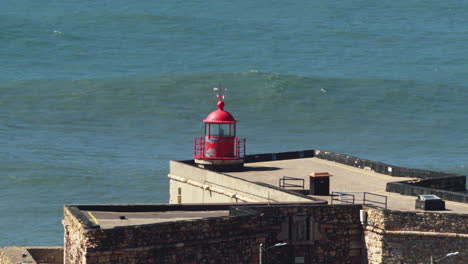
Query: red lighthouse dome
(219,148)
(220,116)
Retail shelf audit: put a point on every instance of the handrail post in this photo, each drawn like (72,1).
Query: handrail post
(244,147)
(236,146)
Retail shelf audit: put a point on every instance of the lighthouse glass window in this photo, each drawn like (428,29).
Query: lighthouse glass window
(221,130)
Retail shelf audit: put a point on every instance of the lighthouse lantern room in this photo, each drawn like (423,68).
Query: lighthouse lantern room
(220,149)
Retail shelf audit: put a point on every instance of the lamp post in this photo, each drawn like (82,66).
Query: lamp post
(446,256)
(265,249)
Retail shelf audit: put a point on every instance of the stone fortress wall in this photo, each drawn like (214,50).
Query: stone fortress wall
(414,237)
(315,234)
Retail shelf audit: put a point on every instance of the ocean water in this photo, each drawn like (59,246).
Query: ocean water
(97,96)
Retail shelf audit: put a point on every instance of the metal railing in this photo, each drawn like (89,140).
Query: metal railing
(343,197)
(239,147)
(199,148)
(384,203)
(285,182)
(367,198)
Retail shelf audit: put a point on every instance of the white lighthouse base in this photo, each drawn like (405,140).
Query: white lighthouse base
(221,165)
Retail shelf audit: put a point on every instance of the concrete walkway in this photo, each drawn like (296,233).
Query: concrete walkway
(345,179)
(114,219)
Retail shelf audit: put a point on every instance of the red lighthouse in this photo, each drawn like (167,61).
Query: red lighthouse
(220,149)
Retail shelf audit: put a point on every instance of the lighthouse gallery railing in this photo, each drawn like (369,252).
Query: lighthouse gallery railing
(238,153)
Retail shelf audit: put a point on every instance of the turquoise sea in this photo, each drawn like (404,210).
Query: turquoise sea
(97,96)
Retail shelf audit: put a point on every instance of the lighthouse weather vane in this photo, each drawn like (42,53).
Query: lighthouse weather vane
(220,91)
